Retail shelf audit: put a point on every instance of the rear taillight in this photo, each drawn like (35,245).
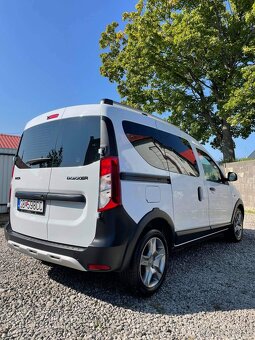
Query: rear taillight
(109,186)
(10,190)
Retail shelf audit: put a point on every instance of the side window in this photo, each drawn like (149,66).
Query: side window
(149,149)
(161,149)
(211,170)
(179,155)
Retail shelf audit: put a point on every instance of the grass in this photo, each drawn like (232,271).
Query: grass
(250,211)
(244,159)
(222,162)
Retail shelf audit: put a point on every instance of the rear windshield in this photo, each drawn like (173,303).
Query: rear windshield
(63,143)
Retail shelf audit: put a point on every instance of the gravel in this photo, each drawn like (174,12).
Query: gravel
(209,293)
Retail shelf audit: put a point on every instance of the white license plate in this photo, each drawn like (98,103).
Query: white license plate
(31,206)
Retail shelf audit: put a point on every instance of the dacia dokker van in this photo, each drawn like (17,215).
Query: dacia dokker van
(109,188)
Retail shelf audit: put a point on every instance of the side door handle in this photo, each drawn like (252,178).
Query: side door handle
(200,193)
(212,189)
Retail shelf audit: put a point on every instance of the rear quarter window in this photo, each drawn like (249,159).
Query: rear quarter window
(161,149)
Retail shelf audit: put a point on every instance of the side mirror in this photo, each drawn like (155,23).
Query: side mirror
(232,177)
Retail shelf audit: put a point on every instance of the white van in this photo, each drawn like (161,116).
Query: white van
(109,188)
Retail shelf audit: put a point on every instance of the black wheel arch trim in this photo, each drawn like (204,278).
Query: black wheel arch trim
(239,203)
(154,214)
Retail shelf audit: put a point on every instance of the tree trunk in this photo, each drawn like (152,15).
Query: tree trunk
(227,144)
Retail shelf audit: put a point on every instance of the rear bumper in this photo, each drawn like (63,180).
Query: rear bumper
(66,255)
(48,256)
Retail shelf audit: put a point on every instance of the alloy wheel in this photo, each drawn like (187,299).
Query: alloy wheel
(152,262)
(238,224)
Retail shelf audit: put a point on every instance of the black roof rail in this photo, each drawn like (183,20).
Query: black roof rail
(112,102)
(106,101)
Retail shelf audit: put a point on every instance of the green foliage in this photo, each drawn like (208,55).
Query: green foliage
(194,59)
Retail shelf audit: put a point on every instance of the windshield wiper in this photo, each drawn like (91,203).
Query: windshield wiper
(38,160)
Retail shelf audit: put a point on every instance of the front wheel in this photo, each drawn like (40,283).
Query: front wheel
(235,232)
(149,264)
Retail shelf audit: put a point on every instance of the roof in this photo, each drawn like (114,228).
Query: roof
(9,141)
(252,155)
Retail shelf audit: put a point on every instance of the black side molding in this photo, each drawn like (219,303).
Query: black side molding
(137,177)
(50,196)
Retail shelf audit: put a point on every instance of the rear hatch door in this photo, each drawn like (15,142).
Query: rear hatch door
(29,207)
(74,183)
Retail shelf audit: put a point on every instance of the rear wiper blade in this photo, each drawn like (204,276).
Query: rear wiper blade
(38,160)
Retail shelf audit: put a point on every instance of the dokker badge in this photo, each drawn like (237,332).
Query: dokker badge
(81,178)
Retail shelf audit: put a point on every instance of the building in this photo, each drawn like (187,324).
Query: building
(8,148)
(252,155)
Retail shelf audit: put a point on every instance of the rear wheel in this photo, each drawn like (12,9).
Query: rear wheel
(149,264)
(235,233)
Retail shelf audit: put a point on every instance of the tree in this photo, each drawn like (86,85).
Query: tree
(191,58)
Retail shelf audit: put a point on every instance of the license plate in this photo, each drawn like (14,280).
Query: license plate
(33,206)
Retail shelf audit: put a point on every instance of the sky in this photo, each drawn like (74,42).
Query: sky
(50,58)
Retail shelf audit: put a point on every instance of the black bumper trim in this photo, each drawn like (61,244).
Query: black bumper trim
(114,230)
(111,256)
(41,244)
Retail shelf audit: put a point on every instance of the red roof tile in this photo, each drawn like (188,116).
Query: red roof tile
(9,142)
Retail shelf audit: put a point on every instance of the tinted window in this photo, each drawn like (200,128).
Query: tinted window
(63,143)
(78,142)
(149,148)
(179,155)
(161,149)
(37,142)
(211,170)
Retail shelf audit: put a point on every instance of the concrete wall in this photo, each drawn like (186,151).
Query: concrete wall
(246,180)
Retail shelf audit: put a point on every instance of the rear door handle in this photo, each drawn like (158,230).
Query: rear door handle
(212,189)
(200,193)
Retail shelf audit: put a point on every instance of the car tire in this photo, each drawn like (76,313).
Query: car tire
(149,264)
(235,232)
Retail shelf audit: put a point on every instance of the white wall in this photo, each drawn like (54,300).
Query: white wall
(6,162)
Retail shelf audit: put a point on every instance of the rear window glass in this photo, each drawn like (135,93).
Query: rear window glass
(64,143)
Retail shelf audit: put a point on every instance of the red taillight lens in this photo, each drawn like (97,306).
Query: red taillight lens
(55,115)
(10,191)
(109,190)
(98,267)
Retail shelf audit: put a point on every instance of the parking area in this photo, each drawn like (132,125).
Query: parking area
(209,293)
